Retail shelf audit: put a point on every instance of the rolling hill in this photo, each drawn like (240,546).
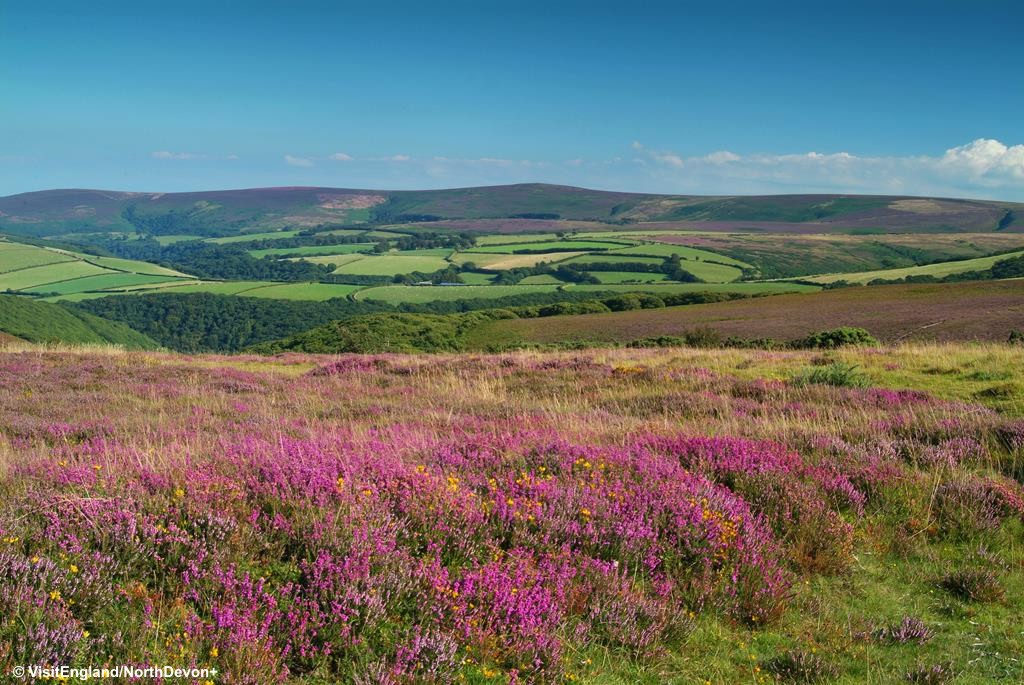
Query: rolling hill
(231,212)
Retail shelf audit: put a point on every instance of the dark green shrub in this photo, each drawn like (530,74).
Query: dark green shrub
(703,337)
(837,337)
(837,373)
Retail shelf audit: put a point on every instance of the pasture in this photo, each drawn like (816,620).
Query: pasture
(938,270)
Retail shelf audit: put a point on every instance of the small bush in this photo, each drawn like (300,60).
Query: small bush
(910,629)
(837,373)
(933,674)
(837,337)
(964,510)
(973,585)
(799,666)
(1016,337)
(703,337)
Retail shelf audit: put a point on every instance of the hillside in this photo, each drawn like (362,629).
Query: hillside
(983,310)
(36,321)
(229,212)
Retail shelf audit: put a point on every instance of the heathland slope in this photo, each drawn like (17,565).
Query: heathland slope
(616,516)
(983,310)
(228,212)
(36,321)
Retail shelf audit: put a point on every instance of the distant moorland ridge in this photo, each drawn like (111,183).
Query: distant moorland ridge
(508,208)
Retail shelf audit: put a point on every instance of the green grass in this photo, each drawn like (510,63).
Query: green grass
(15,256)
(301,291)
(37,321)
(623,276)
(50,273)
(389,265)
(337,259)
(426,252)
(132,266)
(397,294)
(501,262)
(513,238)
(216,287)
(540,279)
(605,258)
(473,278)
(937,270)
(312,250)
(384,234)
(686,253)
(102,282)
(171,239)
(566,245)
(344,231)
(246,237)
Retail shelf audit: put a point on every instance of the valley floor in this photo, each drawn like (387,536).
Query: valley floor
(606,516)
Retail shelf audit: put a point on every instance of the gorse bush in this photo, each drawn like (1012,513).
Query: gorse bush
(837,337)
(838,374)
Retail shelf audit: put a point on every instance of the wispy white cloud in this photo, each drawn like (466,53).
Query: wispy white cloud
(660,156)
(981,167)
(292,160)
(167,154)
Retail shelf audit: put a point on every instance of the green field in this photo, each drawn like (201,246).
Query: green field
(687,253)
(631,276)
(511,239)
(14,257)
(397,294)
(605,258)
(50,273)
(216,287)
(347,248)
(301,291)
(474,278)
(133,266)
(106,281)
(389,265)
(937,270)
(565,245)
(540,279)
(246,237)
(500,262)
(171,239)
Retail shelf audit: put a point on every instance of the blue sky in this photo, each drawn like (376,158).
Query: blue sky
(723,97)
